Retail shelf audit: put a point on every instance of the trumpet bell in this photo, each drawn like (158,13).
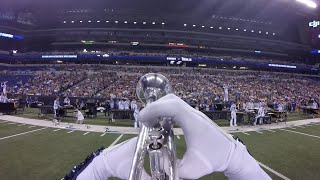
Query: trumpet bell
(152,87)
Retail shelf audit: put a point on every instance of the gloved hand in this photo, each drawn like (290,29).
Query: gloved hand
(113,162)
(209,148)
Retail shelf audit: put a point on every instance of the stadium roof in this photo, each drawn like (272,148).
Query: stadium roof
(263,10)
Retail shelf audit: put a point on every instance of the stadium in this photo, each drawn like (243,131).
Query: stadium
(173,87)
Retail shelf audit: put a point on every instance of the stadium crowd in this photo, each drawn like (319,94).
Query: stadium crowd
(200,87)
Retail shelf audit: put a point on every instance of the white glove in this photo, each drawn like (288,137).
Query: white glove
(112,162)
(209,148)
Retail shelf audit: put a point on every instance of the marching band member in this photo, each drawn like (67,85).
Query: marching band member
(121,104)
(66,101)
(3,98)
(135,108)
(127,104)
(225,93)
(314,105)
(4,87)
(233,109)
(261,113)
(56,106)
(79,116)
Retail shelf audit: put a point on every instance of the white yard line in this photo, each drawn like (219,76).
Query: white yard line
(56,130)
(86,133)
(178,137)
(21,125)
(245,133)
(31,126)
(115,141)
(7,137)
(271,130)
(3,122)
(301,127)
(11,123)
(259,132)
(70,132)
(103,134)
(301,133)
(273,171)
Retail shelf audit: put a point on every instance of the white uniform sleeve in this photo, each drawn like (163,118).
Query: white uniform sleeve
(243,166)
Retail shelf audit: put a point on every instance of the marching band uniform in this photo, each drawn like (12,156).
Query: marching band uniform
(66,101)
(121,105)
(79,116)
(225,93)
(4,87)
(3,98)
(127,104)
(233,109)
(261,113)
(56,106)
(136,110)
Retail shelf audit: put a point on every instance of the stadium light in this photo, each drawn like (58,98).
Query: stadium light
(220,27)
(308,3)
(244,30)
(252,30)
(126,22)
(211,27)
(267,32)
(98,21)
(194,25)
(72,21)
(237,29)
(228,28)
(274,34)
(202,26)
(64,22)
(153,22)
(259,32)
(144,23)
(89,21)
(116,22)
(163,23)
(185,25)
(80,21)
(134,22)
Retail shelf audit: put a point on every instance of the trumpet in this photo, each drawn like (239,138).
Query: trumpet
(157,141)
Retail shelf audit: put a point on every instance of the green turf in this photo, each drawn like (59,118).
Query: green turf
(313,130)
(50,155)
(11,129)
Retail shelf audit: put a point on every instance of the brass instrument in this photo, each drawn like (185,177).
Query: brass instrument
(157,141)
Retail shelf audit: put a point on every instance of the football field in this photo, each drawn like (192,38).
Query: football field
(33,152)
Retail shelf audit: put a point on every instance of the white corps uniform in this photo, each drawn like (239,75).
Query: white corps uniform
(136,111)
(233,121)
(126,105)
(56,105)
(225,93)
(66,101)
(261,113)
(3,99)
(4,88)
(80,117)
(121,105)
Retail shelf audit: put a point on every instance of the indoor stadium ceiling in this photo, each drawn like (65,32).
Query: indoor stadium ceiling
(262,10)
